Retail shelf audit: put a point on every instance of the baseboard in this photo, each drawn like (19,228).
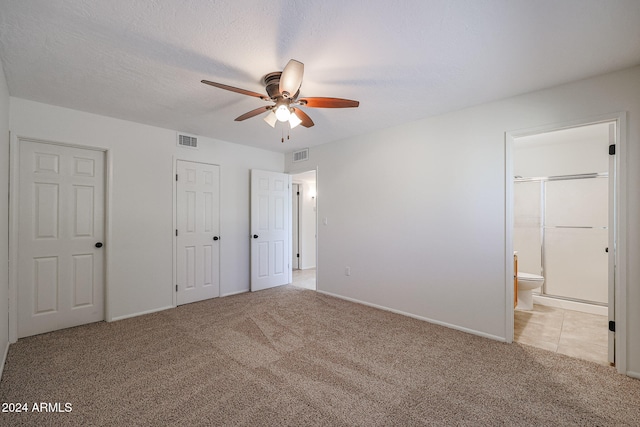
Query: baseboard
(414,316)
(141,313)
(633,374)
(244,291)
(155,310)
(4,358)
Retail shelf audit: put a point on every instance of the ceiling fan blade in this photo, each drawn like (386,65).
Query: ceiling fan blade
(235,89)
(328,102)
(306,120)
(253,113)
(291,78)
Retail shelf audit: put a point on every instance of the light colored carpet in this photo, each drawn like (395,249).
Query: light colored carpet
(290,356)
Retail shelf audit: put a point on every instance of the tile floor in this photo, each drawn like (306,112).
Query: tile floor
(569,332)
(305,278)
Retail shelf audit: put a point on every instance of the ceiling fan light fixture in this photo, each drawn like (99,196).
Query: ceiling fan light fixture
(271,119)
(282,113)
(294,120)
(283,88)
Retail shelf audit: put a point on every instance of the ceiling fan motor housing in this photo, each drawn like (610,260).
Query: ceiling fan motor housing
(272,84)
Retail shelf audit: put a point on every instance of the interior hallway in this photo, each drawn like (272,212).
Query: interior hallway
(305,278)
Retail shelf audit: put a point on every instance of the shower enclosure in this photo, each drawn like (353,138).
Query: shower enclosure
(561,232)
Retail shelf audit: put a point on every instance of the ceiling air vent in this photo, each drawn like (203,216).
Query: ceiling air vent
(187,141)
(301,155)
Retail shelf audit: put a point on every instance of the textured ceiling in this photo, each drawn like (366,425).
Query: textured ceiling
(142,60)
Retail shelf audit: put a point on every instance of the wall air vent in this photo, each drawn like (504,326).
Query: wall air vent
(301,155)
(187,141)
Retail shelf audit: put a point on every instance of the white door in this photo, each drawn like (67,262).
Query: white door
(270,226)
(197,235)
(60,237)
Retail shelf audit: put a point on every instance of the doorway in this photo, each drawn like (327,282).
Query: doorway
(304,229)
(563,215)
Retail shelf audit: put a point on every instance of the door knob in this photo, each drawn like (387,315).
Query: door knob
(216,238)
(255,236)
(99,245)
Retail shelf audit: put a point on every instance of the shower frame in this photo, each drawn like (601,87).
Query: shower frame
(543,226)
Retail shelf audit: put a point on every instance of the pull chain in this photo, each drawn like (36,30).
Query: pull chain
(288,135)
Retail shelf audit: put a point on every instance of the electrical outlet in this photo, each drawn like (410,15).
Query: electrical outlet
(347,271)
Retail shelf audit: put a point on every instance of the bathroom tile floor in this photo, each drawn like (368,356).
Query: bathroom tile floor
(568,332)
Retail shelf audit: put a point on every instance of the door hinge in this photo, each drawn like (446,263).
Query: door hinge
(612,326)
(297,255)
(176,288)
(612,149)
(176,231)
(176,177)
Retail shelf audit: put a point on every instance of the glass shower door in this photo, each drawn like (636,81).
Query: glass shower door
(575,239)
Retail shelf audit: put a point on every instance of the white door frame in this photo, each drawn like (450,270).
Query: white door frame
(175,225)
(620,212)
(14,197)
(296,172)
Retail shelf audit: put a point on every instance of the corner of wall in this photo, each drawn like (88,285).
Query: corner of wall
(4,218)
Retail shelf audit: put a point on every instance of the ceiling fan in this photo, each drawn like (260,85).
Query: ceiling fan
(283,89)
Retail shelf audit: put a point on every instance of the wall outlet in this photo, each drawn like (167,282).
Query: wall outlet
(347,271)
(325,221)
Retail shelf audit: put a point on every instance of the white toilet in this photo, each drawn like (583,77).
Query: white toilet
(526,284)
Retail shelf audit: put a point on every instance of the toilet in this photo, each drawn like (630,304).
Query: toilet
(527,282)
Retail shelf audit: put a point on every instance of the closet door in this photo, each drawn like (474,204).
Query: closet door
(198,239)
(61,237)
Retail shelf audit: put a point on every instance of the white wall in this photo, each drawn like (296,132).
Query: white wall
(571,151)
(141,206)
(426,234)
(4,217)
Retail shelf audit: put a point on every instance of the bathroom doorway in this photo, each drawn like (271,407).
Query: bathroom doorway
(304,206)
(562,209)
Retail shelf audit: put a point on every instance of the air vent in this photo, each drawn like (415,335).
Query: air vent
(301,155)
(187,141)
